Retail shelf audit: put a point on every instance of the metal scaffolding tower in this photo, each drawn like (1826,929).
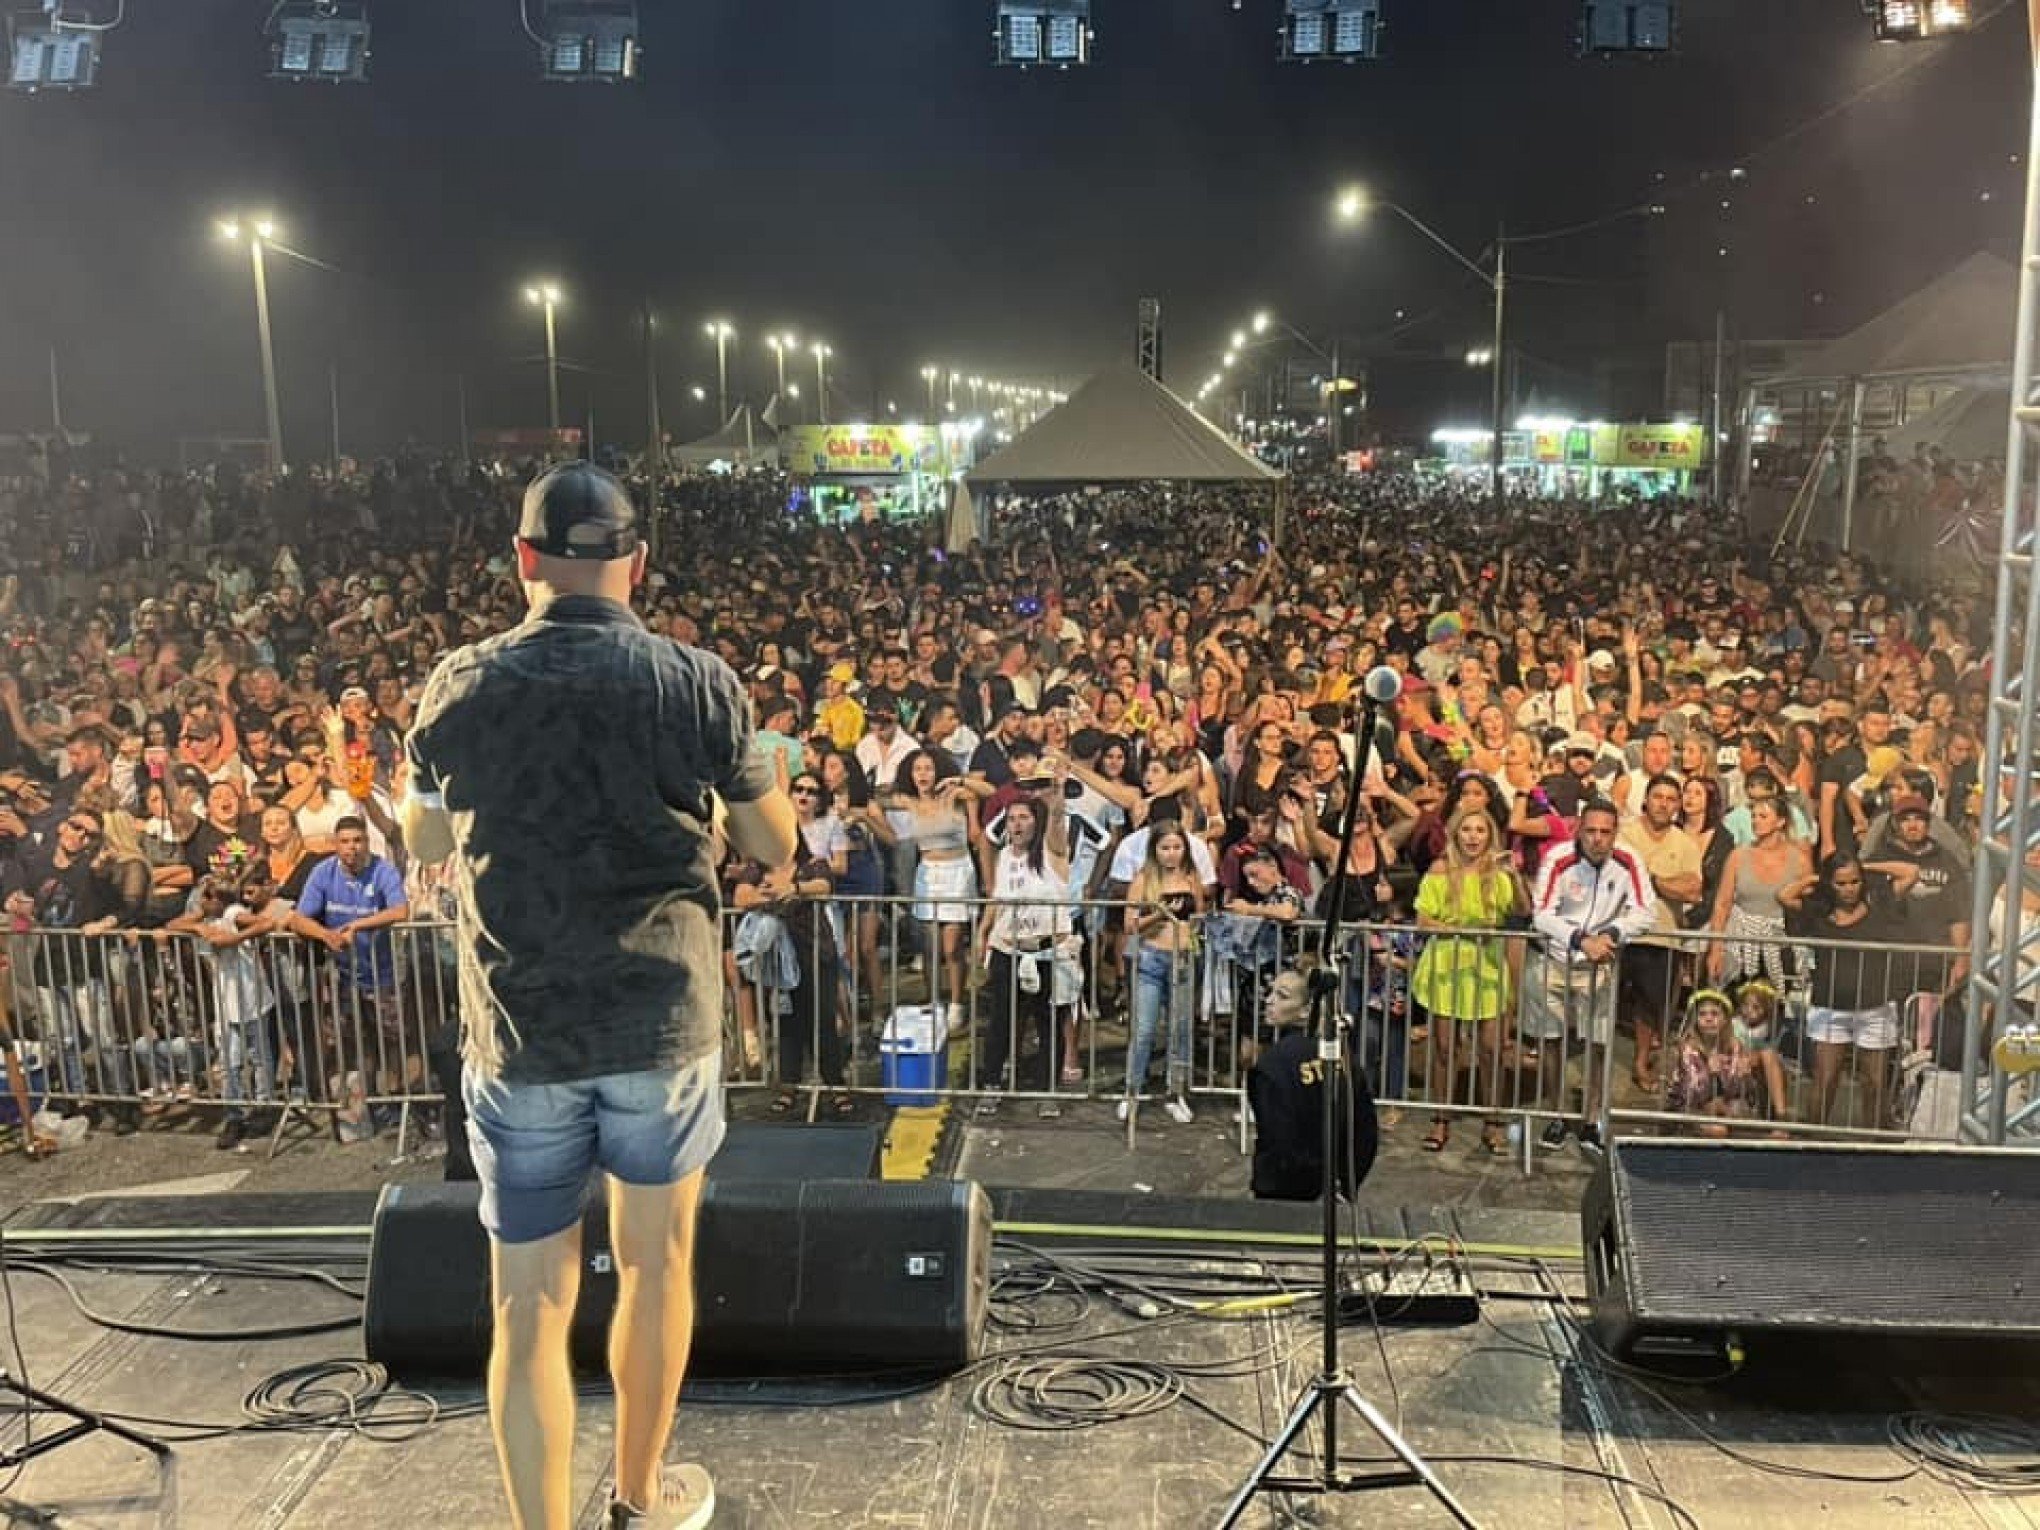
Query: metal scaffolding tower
(1148,345)
(2008,855)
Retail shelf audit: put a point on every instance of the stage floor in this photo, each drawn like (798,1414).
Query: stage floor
(1510,1386)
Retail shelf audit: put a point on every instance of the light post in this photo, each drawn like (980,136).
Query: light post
(721,334)
(546,295)
(781,344)
(1329,389)
(976,392)
(259,232)
(822,355)
(949,399)
(1354,204)
(928,376)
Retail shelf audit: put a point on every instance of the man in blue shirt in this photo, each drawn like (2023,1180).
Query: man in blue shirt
(349,903)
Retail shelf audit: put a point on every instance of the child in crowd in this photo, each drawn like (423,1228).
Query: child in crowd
(1712,1076)
(1756,1030)
(244,1003)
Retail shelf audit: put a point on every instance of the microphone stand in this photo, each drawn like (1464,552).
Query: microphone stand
(1332,1386)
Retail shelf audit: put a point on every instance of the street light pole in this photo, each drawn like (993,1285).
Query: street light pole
(272,406)
(552,365)
(546,295)
(1354,203)
(260,231)
(721,334)
(1498,362)
(822,354)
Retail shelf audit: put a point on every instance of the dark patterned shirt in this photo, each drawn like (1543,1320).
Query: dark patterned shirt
(575,756)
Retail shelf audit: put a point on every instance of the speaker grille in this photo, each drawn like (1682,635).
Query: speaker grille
(1919,1239)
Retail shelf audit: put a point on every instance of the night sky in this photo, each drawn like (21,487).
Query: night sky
(863,173)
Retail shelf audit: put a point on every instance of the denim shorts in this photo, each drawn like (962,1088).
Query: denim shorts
(537,1146)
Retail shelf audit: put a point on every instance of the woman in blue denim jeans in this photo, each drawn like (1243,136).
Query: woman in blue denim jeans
(1162,904)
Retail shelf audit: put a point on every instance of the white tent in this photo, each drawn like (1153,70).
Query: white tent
(1122,427)
(1962,321)
(742,441)
(1970,426)
(963,519)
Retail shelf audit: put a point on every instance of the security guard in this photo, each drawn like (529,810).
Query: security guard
(1287,1091)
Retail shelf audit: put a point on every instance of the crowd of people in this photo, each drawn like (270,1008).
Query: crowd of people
(1642,775)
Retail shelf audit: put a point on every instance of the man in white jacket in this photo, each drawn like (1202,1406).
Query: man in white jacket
(1593,897)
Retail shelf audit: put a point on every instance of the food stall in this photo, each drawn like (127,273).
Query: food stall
(1591,458)
(875,472)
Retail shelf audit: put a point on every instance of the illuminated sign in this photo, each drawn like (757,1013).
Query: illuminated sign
(853,450)
(1678,447)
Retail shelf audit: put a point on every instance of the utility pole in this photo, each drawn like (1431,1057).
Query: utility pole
(56,399)
(333,396)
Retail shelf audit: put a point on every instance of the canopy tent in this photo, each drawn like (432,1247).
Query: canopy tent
(743,440)
(1969,426)
(1958,326)
(1122,427)
(1960,322)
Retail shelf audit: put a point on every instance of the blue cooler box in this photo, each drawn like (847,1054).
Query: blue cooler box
(913,1055)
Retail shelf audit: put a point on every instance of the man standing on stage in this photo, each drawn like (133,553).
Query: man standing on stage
(571,767)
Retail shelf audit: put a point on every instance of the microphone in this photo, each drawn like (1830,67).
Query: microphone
(1382,685)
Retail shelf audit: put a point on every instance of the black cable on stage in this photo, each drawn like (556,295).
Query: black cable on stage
(20,1365)
(1980,1451)
(1590,1355)
(159,1331)
(1062,1395)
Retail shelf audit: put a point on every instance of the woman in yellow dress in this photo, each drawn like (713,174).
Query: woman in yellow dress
(1462,974)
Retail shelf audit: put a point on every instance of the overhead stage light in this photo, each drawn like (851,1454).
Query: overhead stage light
(1056,32)
(1628,26)
(1347,30)
(319,40)
(593,40)
(1915,20)
(48,50)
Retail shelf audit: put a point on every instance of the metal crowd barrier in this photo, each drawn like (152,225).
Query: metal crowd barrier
(1854,1040)
(274,1029)
(853,996)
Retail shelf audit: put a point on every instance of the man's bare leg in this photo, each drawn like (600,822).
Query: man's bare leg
(651,1233)
(531,1379)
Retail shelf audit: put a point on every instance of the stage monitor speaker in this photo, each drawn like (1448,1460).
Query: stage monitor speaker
(1699,1250)
(820,1277)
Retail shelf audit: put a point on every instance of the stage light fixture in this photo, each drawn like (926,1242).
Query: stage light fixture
(1056,32)
(590,40)
(1628,26)
(1918,20)
(1347,30)
(319,40)
(48,50)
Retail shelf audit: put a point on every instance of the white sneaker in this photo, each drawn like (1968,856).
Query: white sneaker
(686,1502)
(1179,1110)
(1123,1109)
(958,1024)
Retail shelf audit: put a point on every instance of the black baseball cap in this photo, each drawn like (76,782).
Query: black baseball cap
(578,511)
